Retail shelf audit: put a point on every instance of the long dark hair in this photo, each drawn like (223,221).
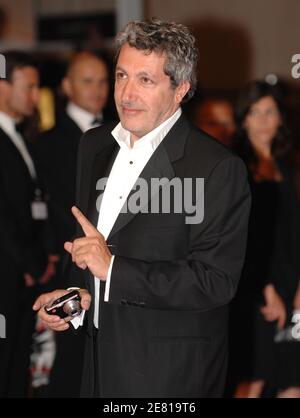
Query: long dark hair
(251,94)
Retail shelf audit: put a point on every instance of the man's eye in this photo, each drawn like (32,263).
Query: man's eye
(146,80)
(253,112)
(272,112)
(120,76)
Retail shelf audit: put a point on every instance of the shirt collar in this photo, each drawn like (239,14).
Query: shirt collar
(153,138)
(81,117)
(7,123)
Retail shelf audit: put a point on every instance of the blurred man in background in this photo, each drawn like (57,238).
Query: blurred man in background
(86,85)
(24,260)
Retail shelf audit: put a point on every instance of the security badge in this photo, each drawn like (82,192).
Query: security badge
(39,209)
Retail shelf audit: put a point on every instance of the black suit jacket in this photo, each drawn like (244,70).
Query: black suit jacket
(19,244)
(23,249)
(163,332)
(56,154)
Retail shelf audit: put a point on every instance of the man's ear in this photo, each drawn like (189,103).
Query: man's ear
(181,91)
(66,86)
(245,124)
(4,86)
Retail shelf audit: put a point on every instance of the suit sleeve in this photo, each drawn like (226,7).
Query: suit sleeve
(209,276)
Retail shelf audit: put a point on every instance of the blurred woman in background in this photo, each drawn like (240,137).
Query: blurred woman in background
(264,358)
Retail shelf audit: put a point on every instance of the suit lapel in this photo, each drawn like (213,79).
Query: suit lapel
(10,144)
(68,124)
(102,165)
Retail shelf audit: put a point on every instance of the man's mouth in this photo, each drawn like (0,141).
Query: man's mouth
(130,110)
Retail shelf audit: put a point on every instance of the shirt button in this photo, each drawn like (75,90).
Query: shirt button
(130,162)
(120,197)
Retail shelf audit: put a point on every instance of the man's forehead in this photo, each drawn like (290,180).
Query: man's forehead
(27,72)
(143,58)
(130,48)
(87,65)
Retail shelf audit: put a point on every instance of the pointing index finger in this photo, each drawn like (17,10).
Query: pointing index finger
(85,224)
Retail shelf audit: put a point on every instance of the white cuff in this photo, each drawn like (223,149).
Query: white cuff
(107,283)
(78,320)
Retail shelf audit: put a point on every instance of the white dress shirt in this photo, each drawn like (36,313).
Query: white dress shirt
(8,125)
(81,117)
(125,171)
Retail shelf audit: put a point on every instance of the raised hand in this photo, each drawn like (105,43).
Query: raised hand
(90,251)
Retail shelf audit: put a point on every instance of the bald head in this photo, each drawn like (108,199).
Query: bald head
(86,82)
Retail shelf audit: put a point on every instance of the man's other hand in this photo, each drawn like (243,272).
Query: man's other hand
(53,321)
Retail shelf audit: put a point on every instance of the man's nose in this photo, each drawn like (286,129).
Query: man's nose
(129,90)
(264,115)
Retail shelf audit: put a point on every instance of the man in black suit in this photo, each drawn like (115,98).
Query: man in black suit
(23,218)
(160,263)
(86,85)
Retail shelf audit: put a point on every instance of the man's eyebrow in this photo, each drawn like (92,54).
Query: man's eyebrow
(118,68)
(147,74)
(143,73)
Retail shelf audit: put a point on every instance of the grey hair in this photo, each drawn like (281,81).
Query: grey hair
(170,38)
